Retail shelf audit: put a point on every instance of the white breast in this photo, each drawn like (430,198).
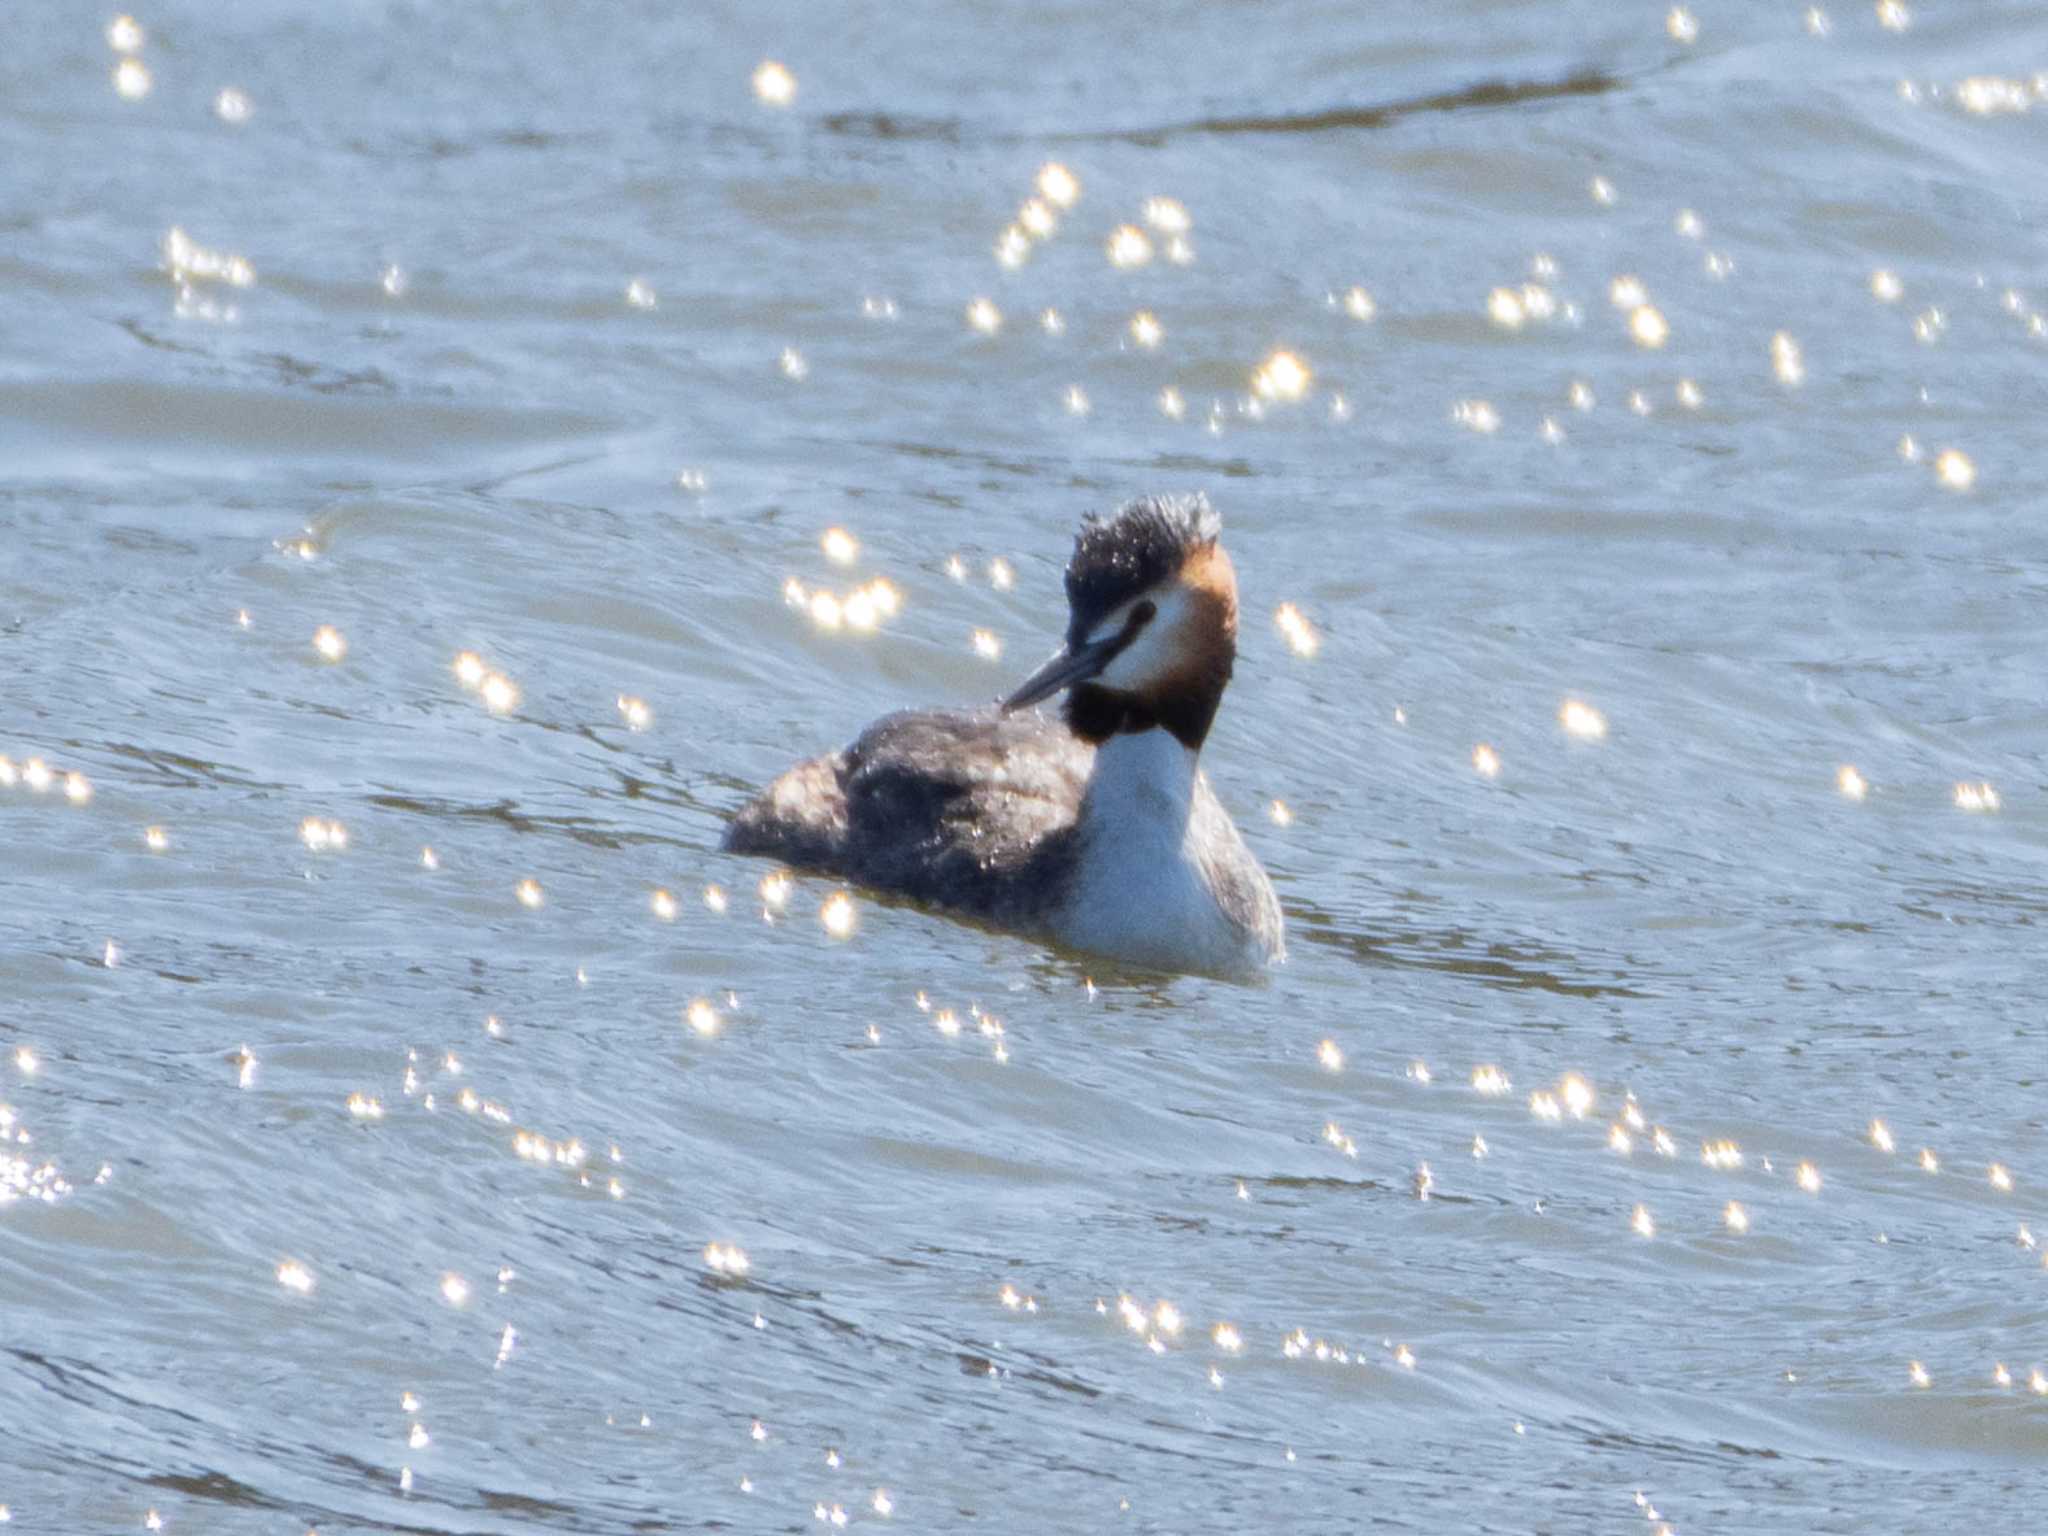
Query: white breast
(1139,894)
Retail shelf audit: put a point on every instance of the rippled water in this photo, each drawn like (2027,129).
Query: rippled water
(267,1092)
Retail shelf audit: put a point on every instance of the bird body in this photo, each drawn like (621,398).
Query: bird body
(1094,829)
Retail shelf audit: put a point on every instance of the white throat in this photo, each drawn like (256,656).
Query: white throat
(1140,793)
(1140,893)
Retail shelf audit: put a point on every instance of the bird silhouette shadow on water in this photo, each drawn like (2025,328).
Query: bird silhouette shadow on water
(1492,961)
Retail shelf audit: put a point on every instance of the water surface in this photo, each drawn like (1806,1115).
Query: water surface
(985,1264)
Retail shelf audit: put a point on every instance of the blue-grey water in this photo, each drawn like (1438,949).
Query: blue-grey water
(345,1192)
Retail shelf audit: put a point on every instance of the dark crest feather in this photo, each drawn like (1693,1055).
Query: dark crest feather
(1141,545)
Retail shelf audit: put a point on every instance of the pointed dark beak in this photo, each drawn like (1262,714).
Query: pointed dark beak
(1065,669)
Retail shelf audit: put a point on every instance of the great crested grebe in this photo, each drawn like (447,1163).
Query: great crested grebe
(1095,830)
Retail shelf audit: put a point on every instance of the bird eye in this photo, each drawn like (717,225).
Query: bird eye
(1144,613)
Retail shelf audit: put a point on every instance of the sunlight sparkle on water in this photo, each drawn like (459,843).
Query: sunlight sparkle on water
(1013,246)
(793,365)
(663,904)
(125,35)
(774,890)
(499,693)
(1476,415)
(1627,293)
(1075,400)
(1881,1136)
(77,787)
(232,106)
(1577,1095)
(2001,1178)
(634,712)
(131,79)
(36,774)
(1602,191)
(1504,309)
(986,645)
(1885,286)
(529,893)
(1916,1373)
(1850,783)
(983,316)
(1787,361)
(1581,395)
(1485,761)
(1809,1178)
(1167,215)
(837,914)
(1641,1223)
(840,547)
(1976,797)
(1582,720)
(1952,467)
(323,836)
(1052,323)
(774,85)
(1329,1056)
(454,1289)
(1279,814)
(1057,185)
(330,643)
(1491,1081)
(640,294)
(1283,377)
(1929,1163)
(728,1259)
(1991,95)
(1647,325)
(701,1017)
(1683,26)
(1146,330)
(1893,16)
(1171,405)
(1358,305)
(1296,630)
(1128,246)
(1721,1154)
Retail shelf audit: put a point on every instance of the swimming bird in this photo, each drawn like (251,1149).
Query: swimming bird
(1094,828)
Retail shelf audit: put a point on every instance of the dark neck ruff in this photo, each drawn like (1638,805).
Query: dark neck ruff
(1095,714)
